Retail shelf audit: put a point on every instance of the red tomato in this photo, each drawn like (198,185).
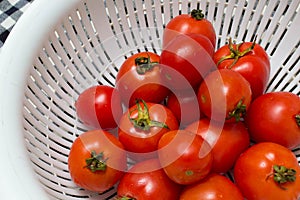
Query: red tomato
(224,95)
(213,187)
(189,23)
(184,105)
(97,160)
(147,181)
(227,140)
(275,117)
(142,126)
(268,171)
(250,60)
(186,60)
(185,157)
(139,77)
(99,107)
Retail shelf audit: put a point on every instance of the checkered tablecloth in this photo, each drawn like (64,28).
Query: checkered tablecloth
(10,12)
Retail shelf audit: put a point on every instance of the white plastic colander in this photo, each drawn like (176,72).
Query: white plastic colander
(59,48)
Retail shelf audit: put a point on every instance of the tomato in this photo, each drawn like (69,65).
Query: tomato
(97,160)
(185,157)
(99,107)
(185,61)
(227,140)
(250,60)
(224,95)
(268,171)
(184,105)
(147,181)
(212,187)
(189,23)
(139,77)
(142,126)
(275,117)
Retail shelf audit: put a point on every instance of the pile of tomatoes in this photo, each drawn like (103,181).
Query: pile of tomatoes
(176,123)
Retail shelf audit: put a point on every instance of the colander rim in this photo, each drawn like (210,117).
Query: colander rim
(18,180)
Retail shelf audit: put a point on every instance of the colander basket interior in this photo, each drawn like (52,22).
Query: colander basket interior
(83,44)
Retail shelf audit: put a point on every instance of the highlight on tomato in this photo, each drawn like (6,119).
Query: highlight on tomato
(97,160)
(147,180)
(228,141)
(250,60)
(186,60)
(192,23)
(99,106)
(224,95)
(185,157)
(268,171)
(142,126)
(275,117)
(214,186)
(139,77)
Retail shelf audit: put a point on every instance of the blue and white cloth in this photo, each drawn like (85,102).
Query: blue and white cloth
(10,12)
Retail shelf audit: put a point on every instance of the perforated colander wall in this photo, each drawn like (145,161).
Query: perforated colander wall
(89,44)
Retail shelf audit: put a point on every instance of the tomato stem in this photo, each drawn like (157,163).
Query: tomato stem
(189,172)
(235,53)
(297,117)
(144,64)
(282,175)
(197,14)
(143,120)
(96,162)
(125,198)
(239,111)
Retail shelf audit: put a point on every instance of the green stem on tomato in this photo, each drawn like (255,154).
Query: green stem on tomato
(282,174)
(96,162)
(143,120)
(235,53)
(144,64)
(239,111)
(189,172)
(297,117)
(124,198)
(197,14)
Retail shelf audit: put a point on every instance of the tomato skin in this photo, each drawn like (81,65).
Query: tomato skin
(253,172)
(185,61)
(146,180)
(185,157)
(99,107)
(147,86)
(220,93)
(186,24)
(212,187)
(98,141)
(184,106)
(271,118)
(254,66)
(227,140)
(141,141)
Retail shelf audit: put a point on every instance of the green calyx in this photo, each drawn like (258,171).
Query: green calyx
(235,53)
(297,118)
(96,162)
(239,111)
(143,120)
(124,198)
(197,14)
(144,64)
(189,172)
(282,175)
